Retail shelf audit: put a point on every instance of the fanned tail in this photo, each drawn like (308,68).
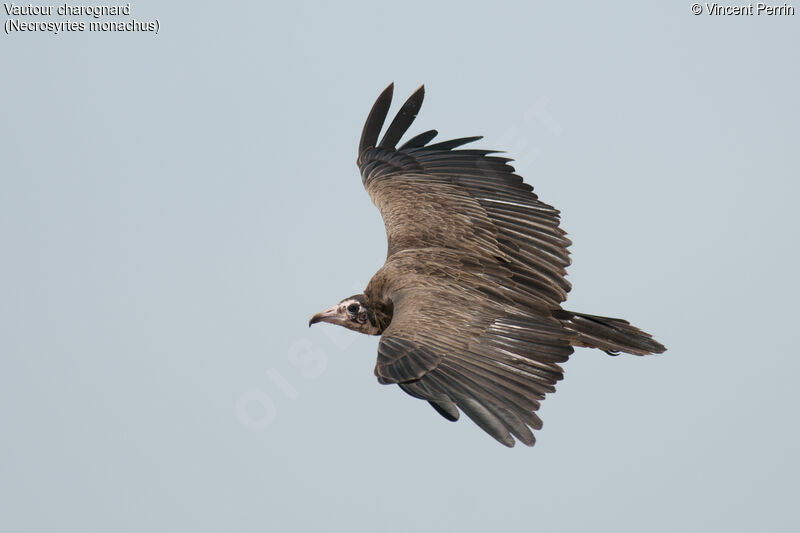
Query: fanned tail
(608,334)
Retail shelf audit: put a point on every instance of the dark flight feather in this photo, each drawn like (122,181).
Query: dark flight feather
(375,120)
(403,120)
(420,140)
(454,143)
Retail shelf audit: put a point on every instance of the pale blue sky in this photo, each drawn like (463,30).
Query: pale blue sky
(174,207)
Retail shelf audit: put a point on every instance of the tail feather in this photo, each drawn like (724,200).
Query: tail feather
(609,334)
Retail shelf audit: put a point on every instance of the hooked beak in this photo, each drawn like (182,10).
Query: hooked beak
(329,315)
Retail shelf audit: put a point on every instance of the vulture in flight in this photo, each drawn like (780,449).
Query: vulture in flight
(468,302)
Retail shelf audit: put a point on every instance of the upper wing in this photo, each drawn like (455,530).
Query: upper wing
(438,197)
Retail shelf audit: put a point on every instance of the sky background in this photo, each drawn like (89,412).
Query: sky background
(174,207)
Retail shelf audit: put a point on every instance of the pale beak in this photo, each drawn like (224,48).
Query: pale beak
(329,315)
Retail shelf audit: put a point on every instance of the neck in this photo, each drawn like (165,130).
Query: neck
(380,315)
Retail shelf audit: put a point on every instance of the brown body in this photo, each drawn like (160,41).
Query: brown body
(468,303)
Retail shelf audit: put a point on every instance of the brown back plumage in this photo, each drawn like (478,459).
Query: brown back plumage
(474,275)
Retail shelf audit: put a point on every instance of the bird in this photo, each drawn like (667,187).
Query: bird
(468,302)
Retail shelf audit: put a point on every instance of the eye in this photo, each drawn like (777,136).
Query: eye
(353,308)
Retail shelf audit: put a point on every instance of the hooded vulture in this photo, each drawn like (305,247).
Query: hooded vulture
(468,302)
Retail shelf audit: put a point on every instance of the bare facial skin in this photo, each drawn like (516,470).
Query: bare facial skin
(349,313)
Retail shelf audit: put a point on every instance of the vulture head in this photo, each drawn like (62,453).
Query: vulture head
(352,313)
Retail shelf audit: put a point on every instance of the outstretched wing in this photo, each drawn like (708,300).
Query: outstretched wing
(475,264)
(460,351)
(433,195)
